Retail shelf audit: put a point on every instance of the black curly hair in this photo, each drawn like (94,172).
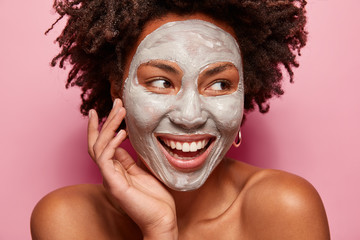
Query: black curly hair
(99,35)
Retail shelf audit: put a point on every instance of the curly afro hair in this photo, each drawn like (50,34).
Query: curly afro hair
(99,34)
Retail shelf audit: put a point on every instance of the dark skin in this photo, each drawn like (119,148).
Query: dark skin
(238,201)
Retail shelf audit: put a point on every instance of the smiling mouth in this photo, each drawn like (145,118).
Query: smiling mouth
(186,152)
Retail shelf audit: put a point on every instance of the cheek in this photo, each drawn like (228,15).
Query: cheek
(145,109)
(226,111)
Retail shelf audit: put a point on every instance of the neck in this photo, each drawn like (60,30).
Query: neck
(204,202)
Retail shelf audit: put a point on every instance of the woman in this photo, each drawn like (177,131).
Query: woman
(180,74)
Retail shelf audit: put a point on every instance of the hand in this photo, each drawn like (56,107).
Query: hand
(137,192)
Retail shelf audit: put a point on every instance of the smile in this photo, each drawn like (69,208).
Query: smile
(186,152)
(186,146)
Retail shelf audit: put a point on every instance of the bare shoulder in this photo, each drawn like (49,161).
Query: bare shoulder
(80,211)
(280,205)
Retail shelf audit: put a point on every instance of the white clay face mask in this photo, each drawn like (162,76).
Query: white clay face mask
(184,101)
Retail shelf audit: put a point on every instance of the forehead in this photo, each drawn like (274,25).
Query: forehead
(188,43)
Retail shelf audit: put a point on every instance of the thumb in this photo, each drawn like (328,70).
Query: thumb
(127,161)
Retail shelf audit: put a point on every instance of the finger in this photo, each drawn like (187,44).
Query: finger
(108,132)
(105,159)
(127,162)
(92,131)
(116,105)
(124,158)
(113,172)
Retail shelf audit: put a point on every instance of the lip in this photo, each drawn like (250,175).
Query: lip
(186,165)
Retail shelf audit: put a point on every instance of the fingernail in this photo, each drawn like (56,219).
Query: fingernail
(115,102)
(90,113)
(120,132)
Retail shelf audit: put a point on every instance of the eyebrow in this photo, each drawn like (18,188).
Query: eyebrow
(212,71)
(163,66)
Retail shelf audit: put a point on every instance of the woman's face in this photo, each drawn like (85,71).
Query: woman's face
(184,100)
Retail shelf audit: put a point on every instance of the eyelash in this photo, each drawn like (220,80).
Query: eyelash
(162,85)
(151,82)
(228,85)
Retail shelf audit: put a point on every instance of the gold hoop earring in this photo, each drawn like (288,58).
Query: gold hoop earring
(237,142)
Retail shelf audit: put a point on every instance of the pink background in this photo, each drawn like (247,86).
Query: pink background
(312,131)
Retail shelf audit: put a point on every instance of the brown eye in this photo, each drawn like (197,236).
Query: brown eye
(221,85)
(159,83)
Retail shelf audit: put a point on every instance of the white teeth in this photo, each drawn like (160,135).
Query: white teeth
(186,146)
(172,144)
(193,147)
(199,145)
(178,146)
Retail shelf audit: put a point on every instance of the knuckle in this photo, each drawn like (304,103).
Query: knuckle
(95,147)
(96,150)
(91,152)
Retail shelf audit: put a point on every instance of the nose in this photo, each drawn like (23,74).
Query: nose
(188,112)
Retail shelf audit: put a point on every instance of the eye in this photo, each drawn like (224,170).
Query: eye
(159,83)
(220,78)
(219,85)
